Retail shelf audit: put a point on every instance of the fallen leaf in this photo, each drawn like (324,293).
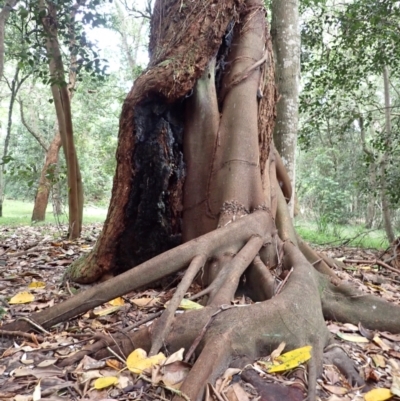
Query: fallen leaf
(37,284)
(377,340)
(291,359)
(395,389)
(105,382)
(37,393)
(337,390)
(145,302)
(187,304)
(378,394)
(355,338)
(278,351)
(237,393)
(117,302)
(176,356)
(137,362)
(114,364)
(174,374)
(106,311)
(22,298)
(379,360)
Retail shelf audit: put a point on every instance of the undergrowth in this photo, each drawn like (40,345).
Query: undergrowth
(349,235)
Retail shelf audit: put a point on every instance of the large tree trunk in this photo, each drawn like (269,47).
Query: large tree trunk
(286,40)
(197,147)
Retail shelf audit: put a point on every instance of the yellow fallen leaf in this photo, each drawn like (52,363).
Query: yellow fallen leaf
(37,284)
(378,394)
(187,304)
(291,359)
(106,311)
(355,338)
(22,298)
(137,361)
(104,382)
(117,302)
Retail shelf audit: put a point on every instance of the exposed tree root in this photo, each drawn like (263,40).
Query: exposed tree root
(335,355)
(214,243)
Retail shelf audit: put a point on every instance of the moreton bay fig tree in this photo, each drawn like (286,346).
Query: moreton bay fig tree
(199,186)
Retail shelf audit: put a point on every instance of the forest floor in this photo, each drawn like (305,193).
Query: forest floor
(32,263)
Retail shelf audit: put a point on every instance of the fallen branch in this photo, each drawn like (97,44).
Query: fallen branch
(372,262)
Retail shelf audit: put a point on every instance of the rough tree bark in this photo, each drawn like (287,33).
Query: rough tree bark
(286,40)
(62,104)
(208,97)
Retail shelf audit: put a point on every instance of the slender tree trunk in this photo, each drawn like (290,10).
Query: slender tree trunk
(8,135)
(387,220)
(371,205)
(286,43)
(14,87)
(63,110)
(130,51)
(43,191)
(370,212)
(4,14)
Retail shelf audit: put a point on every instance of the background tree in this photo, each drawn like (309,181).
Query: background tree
(343,83)
(286,39)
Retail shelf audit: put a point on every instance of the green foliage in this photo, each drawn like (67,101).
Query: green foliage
(349,235)
(326,197)
(29,51)
(345,47)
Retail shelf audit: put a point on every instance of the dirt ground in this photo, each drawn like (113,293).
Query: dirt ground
(32,263)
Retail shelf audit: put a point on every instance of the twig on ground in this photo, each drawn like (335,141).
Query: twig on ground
(28,336)
(282,284)
(372,262)
(148,318)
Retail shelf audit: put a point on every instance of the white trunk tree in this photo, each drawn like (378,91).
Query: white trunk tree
(286,42)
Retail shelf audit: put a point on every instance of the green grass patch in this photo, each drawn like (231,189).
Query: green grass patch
(17,212)
(349,235)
